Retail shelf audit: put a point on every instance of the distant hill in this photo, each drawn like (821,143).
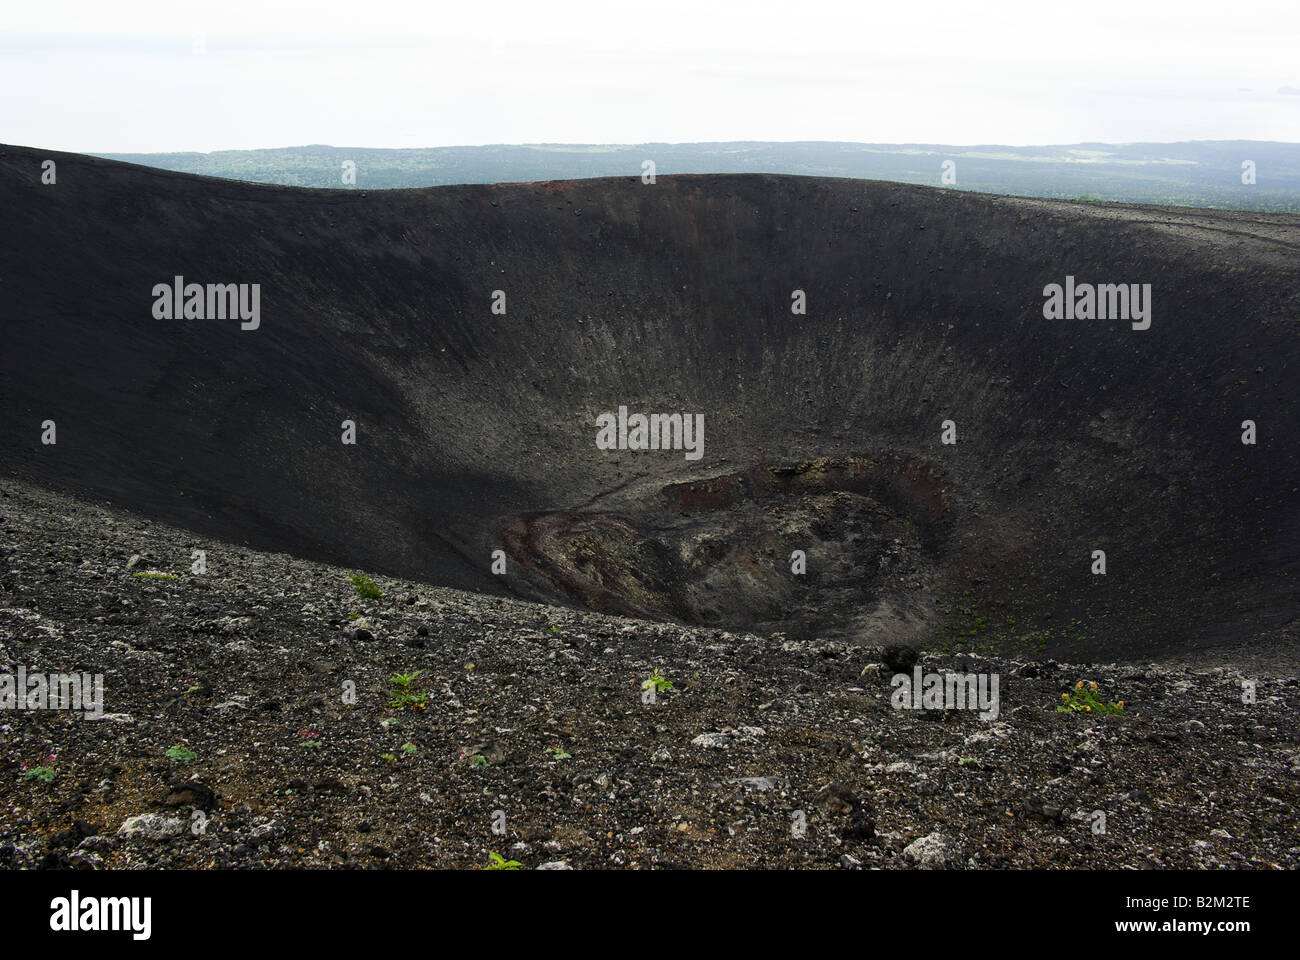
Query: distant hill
(1199,173)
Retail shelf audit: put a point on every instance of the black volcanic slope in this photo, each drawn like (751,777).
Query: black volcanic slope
(476,431)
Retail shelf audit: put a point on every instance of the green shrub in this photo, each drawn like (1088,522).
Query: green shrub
(365,587)
(404,696)
(1084,699)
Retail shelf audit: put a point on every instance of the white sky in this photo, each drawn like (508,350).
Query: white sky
(103,76)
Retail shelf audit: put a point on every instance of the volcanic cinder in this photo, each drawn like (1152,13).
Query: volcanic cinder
(476,429)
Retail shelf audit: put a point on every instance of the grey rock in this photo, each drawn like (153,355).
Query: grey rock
(714,741)
(934,851)
(762,784)
(151,826)
(266,831)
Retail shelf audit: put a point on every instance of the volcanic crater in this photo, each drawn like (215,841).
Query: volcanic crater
(474,429)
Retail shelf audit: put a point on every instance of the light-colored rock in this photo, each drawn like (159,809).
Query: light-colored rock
(151,826)
(934,851)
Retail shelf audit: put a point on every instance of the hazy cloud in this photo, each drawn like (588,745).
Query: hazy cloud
(241,73)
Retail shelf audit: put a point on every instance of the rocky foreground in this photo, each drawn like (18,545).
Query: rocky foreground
(251,719)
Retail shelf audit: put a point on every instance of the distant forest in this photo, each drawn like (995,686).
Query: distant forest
(1199,173)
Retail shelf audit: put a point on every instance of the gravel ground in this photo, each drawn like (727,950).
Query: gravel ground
(529,735)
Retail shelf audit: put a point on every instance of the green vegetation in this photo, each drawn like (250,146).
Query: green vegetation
(181,754)
(657,682)
(403,696)
(43,774)
(1084,699)
(1020,617)
(410,748)
(499,862)
(155,575)
(365,587)
(557,753)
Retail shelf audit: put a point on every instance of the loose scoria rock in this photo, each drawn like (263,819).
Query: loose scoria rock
(934,851)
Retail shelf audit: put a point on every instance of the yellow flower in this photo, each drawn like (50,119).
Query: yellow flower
(1079,685)
(1120,704)
(1065,697)
(1093,685)
(1087,708)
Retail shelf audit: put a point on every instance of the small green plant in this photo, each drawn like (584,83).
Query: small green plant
(499,862)
(404,696)
(1084,699)
(181,754)
(410,748)
(154,575)
(478,760)
(555,629)
(965,760)
(411,701)
(389,722)
(557,753)
(657,681)
(391,758)
(43,774)
(354,615)
(365,587)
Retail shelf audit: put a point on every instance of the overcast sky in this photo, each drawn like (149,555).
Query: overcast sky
(139,75)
